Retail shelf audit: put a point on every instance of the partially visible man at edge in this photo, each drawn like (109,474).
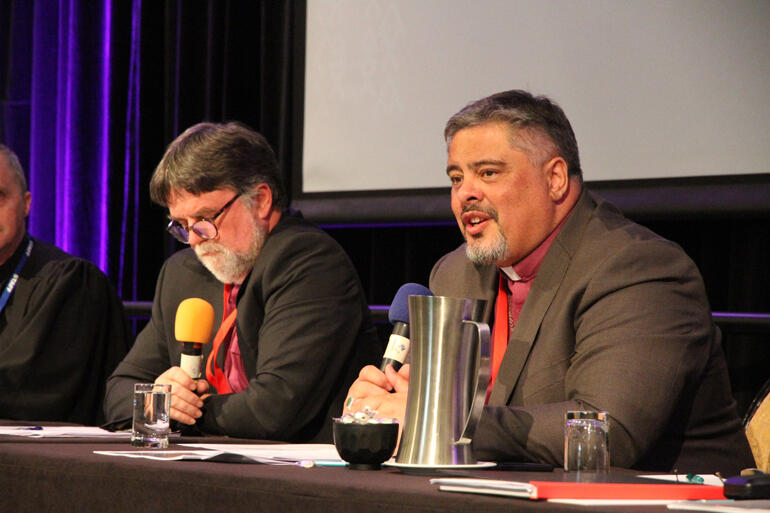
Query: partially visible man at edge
(62,326)
(301,322)
(598,313)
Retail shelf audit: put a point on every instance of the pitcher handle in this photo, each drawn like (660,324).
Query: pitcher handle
(480,387)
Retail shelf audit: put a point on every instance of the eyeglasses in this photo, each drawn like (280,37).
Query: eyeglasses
(205,228)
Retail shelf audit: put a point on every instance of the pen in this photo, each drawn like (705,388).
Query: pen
(320,463)
(329,463)
(31,428)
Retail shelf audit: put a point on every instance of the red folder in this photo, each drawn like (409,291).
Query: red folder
(571,490)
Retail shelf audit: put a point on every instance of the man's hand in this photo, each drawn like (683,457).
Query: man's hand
(372,391)
(186,399)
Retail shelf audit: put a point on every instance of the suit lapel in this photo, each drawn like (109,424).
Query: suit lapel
(524,334)
(541,295)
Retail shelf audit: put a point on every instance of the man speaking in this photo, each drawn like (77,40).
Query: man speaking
(292,324)
(589,310)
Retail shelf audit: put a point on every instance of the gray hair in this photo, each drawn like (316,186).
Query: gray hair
(538,126)
(13,162)
(211,156)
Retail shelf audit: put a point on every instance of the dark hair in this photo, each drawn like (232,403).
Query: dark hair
(15,165)
(530,119)
(210,156)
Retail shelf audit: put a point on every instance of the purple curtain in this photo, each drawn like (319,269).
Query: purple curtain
(69,127)
(91,92)
(60,117)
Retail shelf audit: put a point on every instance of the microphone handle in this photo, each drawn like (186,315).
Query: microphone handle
(390,361)
(398,347)
(191,359)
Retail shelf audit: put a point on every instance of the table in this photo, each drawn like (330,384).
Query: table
(62,476)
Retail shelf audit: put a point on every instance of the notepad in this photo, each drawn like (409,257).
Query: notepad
(572,490)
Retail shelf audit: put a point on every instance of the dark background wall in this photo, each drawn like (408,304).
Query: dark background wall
(91,92)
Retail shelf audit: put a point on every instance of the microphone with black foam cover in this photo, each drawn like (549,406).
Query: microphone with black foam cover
(398,315)
(192,327)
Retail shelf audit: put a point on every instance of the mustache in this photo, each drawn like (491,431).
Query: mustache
(211,247)
(475,207)
(208,245)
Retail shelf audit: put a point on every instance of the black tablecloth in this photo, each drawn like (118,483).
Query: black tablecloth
(63,476)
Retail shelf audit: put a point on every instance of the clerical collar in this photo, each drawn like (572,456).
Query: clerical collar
(511,273)
(526,268)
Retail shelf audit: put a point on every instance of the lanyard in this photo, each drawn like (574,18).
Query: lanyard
(15,277)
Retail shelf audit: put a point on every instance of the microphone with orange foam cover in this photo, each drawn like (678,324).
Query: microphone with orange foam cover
(192,327)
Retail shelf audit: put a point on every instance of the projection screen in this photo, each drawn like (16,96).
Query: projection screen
(654,89)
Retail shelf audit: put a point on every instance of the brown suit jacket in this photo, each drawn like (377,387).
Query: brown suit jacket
(617,319)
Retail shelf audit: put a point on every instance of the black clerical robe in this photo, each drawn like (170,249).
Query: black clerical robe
(62,333)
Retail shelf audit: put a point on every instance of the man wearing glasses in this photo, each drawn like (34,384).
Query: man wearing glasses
(294,325)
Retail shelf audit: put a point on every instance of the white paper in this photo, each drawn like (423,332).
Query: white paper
(304,455)
(319,453)
(203,455)
(163,455)
(61,432)
(726,506)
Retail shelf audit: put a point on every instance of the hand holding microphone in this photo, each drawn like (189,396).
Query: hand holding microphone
(192,327)
(379,389)
(398,315)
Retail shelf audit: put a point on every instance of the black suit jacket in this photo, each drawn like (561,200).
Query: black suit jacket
(62,332)
(304,333)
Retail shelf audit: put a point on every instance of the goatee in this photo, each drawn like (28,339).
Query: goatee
(225,264)
(485,254)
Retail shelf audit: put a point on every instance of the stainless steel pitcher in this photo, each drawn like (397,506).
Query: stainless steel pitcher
(447,381)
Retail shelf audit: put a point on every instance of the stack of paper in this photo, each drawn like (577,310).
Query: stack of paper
(60,432)
(305,455)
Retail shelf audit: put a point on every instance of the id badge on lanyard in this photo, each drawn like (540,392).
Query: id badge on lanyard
(15,277)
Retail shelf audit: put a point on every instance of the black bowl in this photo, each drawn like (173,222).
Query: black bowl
(365,446)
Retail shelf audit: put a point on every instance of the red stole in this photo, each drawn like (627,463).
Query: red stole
(214,373)
(500,330)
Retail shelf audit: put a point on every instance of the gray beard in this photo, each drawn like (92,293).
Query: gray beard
(228,266)
(487,254)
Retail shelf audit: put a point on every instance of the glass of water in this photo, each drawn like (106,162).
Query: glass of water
(151,415)
(587,441)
